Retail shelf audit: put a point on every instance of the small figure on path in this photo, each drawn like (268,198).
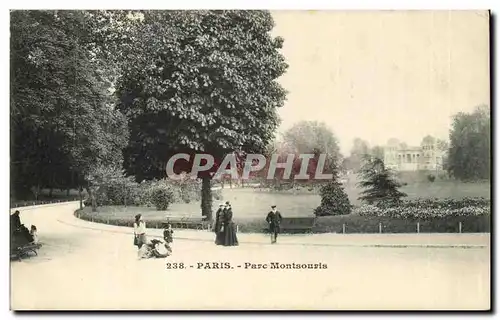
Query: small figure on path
(229,232)
(274,220)
(152,250)
(139,233)
(219,215)
(33,233)
(168,237)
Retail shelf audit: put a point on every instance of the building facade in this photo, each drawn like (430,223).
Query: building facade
(427,156)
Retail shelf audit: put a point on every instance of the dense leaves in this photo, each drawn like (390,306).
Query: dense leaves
(200,82)
(334,199)
(62,116)
(378,182)
(470,145)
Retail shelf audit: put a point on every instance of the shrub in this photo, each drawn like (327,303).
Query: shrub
(111,186)
(162,197)
(436,203)
(378,182)
(217,194)
(334,200)
(428,209)
(431,177)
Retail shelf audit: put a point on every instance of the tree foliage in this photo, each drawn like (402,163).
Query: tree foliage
(359,150)
(62,116)
(378,182)
(470,142)
(200,82)
(334,199)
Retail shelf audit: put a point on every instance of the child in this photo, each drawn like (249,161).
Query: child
(167,236)
(33,233)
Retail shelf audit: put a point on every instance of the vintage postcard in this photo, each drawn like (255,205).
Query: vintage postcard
(250,160)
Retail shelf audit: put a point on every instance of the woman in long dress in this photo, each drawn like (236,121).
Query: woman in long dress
(139,233)
(219,216)
(229,233)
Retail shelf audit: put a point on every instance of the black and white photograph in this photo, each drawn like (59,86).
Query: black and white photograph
(272,160)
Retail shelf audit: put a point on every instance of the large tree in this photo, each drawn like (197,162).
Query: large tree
(62,117)
(470,142)
(200,82)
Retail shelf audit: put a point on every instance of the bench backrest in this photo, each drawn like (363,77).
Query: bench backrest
(298,221)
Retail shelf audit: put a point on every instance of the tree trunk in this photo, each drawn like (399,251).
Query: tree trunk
(92,199)
(206,198)
(67,191)
(79,195)
(50,191)
(36,191)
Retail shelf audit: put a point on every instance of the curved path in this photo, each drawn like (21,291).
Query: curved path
(83,265)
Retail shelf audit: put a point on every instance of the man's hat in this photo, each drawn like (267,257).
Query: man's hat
(227,203)
(273,207)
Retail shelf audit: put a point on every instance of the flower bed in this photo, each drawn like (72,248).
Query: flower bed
(428,208)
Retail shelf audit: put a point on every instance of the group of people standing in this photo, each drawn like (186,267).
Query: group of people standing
(153,249)
(224,227)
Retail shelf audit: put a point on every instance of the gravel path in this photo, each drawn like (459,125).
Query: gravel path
(92,266)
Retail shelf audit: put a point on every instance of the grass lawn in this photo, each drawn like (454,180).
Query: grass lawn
(45,197)
(250,207)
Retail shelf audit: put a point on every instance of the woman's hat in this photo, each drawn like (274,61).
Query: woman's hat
(273,207)
(137,216)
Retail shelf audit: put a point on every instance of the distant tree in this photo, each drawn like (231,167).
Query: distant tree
(470,142)
(359,150)
(377,152)
(378,182)
(305,136)
(312,137)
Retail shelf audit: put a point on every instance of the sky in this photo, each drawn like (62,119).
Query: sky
(377,75)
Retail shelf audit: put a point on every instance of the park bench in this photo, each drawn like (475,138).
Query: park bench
(198,223)
(24,250)
(297,224)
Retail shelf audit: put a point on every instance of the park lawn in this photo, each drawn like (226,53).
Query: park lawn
(45,197)
(250,207)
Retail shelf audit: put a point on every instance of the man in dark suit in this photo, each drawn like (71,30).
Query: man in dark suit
(274,220)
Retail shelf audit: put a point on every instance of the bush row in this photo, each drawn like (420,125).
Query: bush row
(123,190)
(129,221)
(422,212)
(438,203)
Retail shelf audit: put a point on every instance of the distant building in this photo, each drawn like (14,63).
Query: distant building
(400,157)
